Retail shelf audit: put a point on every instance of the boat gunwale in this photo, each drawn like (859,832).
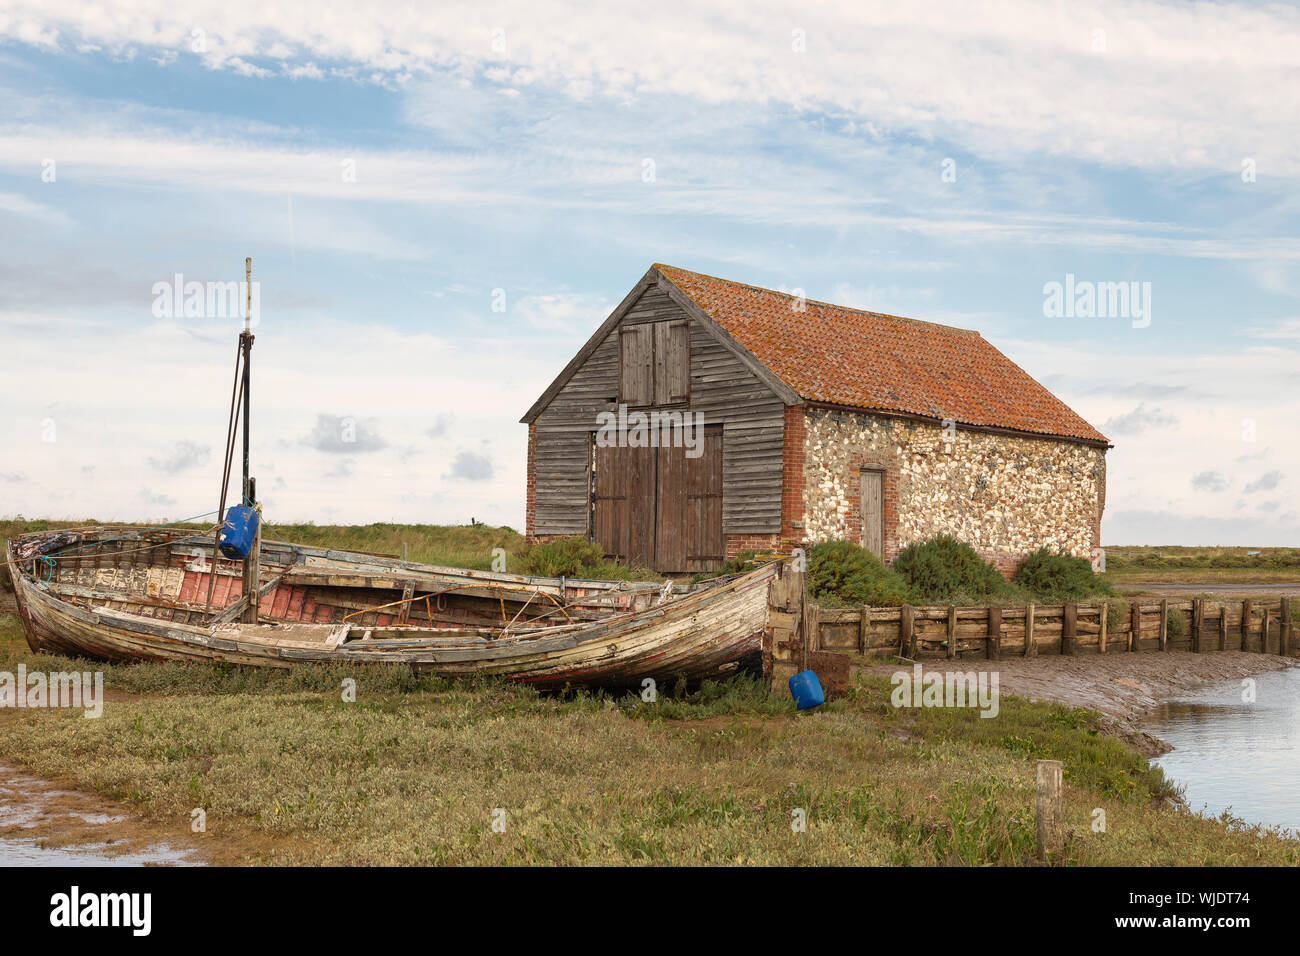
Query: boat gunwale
(182,536)
(480,639)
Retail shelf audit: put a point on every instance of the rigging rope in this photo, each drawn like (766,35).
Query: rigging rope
(236,399)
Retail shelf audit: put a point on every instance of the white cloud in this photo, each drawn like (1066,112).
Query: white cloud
(1195,85)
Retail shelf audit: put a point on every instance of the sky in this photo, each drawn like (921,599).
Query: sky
(443,201)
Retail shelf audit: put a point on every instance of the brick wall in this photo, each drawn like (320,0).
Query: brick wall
(739,543)
(530,498)
(794,470)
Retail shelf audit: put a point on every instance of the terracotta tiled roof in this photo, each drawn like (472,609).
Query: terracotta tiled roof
(842,356)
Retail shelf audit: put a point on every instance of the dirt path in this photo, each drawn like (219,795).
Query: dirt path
(1123,687)
(1180,589)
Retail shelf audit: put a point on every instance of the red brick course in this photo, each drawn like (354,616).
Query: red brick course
(530,500)
(794,475)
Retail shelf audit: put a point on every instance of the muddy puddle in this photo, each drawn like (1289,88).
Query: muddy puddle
(43,825)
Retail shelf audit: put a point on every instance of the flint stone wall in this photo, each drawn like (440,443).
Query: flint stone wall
(1005,496)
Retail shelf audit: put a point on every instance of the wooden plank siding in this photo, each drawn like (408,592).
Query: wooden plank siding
(720,387)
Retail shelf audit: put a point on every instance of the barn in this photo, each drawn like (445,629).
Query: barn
(706,417)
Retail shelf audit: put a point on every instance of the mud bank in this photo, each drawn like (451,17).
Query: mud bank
(43,824)
(1124,688)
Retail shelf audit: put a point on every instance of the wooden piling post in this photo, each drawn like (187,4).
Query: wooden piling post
(1223,625)
(1263,628)
(1048,814)
(1284,639)
(1246,611)
(1198,621)
(1164,624)
(1103,613)
(906,633)
(952,630)
(1030,647)
(1069,627)
(403,550)
(993,647)
(812,634)
(1135,626)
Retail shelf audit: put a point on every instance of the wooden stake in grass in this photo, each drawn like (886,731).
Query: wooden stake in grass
(1047,810)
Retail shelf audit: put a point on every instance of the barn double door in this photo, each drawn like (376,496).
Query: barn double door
(659,508)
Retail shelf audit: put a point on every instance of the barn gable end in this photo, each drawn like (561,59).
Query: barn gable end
(723,389)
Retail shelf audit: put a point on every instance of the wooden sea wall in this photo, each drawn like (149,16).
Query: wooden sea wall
(1261,625)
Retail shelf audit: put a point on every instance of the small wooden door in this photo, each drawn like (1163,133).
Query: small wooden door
(873,511)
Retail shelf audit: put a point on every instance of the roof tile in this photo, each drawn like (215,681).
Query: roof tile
(842,356)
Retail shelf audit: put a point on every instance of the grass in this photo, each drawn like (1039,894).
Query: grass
(1215,568)
(1173,557)
(458,546)
(417,770)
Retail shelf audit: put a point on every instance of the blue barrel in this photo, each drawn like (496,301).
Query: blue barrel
(806,690)
(238,532)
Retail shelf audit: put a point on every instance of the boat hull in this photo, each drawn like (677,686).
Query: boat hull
(708,632)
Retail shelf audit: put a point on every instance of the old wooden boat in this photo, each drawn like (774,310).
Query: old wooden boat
(132,595)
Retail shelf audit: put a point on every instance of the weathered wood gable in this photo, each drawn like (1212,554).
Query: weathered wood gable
(722,387)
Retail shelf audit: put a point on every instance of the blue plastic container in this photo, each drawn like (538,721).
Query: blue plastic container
(238,532)
(806,690)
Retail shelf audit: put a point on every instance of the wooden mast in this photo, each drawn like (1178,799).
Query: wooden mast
(252,563)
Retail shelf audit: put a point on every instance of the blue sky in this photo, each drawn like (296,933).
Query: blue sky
(388,170)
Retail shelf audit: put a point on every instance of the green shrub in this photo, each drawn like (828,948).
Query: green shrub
(944,568)
(741,562)
(1117,612)
(841,572)
(1059,577)
(1175,624)
(576,557)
